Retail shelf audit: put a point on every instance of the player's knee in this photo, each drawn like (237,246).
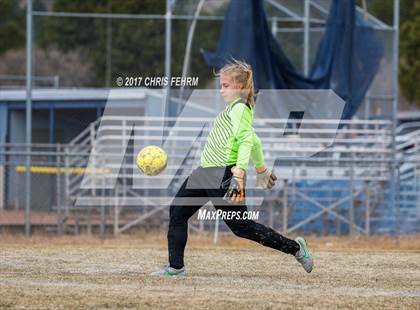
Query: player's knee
(177,221)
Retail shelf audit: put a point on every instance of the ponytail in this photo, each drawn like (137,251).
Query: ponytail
(241,72)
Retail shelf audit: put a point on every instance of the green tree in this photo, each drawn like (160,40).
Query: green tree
(12,26)
(409,65)
(384,9)
(138,46)
(71,33)
(409,76)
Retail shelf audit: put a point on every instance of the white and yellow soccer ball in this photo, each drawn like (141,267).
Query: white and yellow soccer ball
(152,160)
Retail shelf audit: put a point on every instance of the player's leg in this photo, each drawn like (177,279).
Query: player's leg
(266,236)
(178,233)
(249,229)
(187,201)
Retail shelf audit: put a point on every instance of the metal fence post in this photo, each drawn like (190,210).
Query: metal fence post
(271,216)
(216,230)
(28,116)
(103,219)
(116,215)
(367,211)
(285,215)
(66,181)
(395,63)
(306,26)
(351,208)
(60,218)
(397,203)
(274,26)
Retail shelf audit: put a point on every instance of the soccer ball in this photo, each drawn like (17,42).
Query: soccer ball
(151,160)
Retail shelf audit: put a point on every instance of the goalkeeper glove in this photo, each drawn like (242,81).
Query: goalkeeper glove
(235,192)
(266,179)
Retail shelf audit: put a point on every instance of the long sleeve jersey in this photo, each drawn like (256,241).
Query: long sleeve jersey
(232,139)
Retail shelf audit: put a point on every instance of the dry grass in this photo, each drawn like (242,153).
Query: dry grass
(86,272)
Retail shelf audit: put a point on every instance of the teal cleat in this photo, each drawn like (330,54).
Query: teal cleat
(168,271)
(303,256)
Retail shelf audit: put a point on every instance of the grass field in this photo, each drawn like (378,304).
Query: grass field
(86,272)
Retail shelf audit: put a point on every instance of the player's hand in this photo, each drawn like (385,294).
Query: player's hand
(265,178)
(235,192)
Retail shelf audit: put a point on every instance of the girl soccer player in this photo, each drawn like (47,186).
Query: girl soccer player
(232,141)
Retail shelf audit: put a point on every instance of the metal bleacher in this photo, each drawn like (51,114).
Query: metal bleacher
(344,188)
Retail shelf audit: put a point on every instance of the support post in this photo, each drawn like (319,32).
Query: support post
(367,205)
(306,26)
(168,47)
(51,139)
(395,61)
(351,200)
(216,230)
(60,218)
(285,215)
(116,218)
(274,26)
(28,116)
(103,219)
(271,216)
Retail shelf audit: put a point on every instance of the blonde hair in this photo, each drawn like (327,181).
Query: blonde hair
(241,72)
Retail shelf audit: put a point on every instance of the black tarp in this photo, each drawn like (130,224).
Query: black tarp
(347,58)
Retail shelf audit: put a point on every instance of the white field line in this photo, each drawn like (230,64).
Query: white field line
(283,286)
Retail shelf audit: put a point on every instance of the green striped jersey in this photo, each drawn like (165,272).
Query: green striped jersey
(232,139)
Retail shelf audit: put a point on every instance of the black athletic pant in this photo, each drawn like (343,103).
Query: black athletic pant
(200,187)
